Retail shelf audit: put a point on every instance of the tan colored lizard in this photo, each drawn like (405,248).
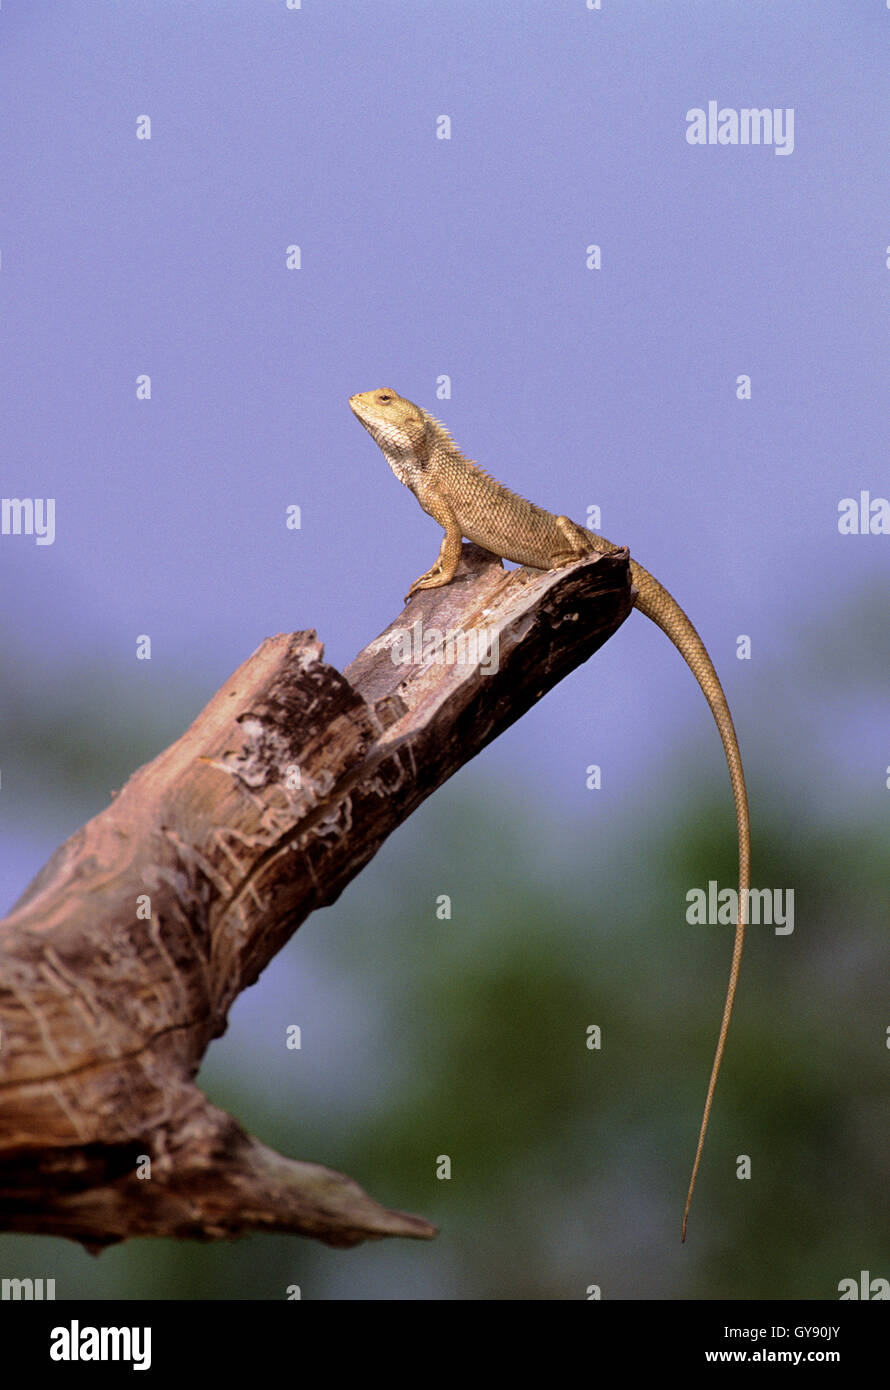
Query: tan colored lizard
(467,502)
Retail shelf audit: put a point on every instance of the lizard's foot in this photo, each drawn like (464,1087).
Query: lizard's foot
(433,579)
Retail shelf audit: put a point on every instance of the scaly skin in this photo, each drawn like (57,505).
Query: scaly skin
(467,502)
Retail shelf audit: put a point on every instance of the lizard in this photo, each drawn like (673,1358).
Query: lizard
(468,502)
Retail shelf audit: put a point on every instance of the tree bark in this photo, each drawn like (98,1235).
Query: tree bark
(120,962)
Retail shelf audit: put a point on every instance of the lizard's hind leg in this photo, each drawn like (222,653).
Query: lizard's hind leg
(577,543)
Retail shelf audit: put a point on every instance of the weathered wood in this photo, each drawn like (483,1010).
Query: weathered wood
(121,960)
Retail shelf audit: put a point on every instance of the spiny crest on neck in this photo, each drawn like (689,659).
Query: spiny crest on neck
(440,440)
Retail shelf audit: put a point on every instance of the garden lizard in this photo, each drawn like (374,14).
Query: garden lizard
(467,502)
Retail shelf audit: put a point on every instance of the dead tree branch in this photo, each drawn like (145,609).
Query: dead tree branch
(119,964)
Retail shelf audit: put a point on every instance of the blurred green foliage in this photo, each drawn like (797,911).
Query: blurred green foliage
(467,1037)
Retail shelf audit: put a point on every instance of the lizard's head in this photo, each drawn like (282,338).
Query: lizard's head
(397,426)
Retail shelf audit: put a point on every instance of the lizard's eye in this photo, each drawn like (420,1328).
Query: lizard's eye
(384,398)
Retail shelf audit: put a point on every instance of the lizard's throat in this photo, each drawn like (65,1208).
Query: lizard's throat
(404,467)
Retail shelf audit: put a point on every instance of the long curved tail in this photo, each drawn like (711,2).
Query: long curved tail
(655,601)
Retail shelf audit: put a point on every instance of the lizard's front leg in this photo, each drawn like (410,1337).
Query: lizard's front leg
(442,572)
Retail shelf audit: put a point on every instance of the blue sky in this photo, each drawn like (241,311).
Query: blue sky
(422,258)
